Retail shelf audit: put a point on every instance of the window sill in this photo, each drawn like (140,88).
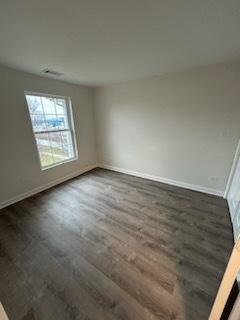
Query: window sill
(58,164)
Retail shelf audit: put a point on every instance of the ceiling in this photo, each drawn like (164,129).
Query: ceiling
(98,42)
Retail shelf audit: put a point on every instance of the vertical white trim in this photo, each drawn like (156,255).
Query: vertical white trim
(3,315)
(236,309)
(227,283)
(233,168)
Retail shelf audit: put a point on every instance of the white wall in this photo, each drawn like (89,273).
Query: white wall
(20,170)
(182,126)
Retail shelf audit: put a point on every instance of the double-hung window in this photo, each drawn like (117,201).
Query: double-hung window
(53,128)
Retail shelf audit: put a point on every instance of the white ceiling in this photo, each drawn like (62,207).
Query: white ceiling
(104,41)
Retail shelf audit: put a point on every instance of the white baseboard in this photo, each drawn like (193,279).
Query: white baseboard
(46,186)
(164,180)
(113,168)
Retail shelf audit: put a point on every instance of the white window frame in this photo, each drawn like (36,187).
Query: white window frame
(70,124)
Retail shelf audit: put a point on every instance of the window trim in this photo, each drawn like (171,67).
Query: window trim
(71,129)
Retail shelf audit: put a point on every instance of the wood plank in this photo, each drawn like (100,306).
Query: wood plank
(111,246)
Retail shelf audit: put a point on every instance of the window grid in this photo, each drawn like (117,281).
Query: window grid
(46,127)
(55,144)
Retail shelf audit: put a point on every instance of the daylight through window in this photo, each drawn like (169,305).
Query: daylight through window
(52,124)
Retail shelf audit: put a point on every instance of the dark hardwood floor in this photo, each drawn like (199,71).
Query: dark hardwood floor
(111,246)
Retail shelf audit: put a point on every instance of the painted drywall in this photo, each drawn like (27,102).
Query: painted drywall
(182,127)
(20,170)
(106,41)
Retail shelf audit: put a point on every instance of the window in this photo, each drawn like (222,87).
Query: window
(52,124)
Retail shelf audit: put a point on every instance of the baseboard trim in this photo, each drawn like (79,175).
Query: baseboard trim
(164,180)
(46,186)
(113,168)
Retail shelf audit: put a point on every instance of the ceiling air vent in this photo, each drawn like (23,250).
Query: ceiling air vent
(52,72)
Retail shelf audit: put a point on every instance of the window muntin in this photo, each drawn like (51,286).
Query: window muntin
(52,124)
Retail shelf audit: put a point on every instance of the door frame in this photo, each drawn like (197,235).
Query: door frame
(233,168)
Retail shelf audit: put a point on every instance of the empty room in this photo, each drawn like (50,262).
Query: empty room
(120,160)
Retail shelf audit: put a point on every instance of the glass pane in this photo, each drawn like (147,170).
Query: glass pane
(49,117)
(48,105)
(63,121)
(43,139)
(38,122)
(44,149)
(57,146)
(68,151)
(67,137)
(55,138)
(60,105)
(52,122)
(34,104)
